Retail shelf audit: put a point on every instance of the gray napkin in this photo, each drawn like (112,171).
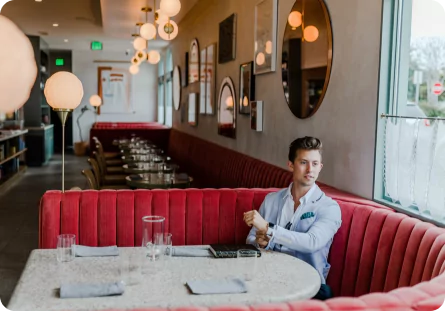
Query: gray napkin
(87,251)
(191,252)
(228,286)
(91,290)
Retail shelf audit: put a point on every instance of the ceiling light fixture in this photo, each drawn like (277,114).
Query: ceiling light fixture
(55,25)
(66,40)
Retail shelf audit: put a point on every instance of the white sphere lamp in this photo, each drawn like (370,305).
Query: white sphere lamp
(168,31)
(170,7)
(154,57)
(63,92)
(148,31)
(95,101)
(15,83)
(134,69)
(294,19)
(161,18)
(139,44)
(311,33)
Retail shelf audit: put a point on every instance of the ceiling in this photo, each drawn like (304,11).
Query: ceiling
(82,21)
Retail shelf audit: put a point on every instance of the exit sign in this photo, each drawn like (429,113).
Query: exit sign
(96,45)
(60,61)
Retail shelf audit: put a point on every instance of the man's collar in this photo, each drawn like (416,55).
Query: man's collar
(313,195)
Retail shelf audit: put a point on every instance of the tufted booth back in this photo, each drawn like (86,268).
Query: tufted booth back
(215,166)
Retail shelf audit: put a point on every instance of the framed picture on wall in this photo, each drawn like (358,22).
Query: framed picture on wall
(114,85)
(194,62)
(246,87)
(193,109)
(256,115)
(185,72)
(227,39)
(202,82)
(265,36)
(210,78)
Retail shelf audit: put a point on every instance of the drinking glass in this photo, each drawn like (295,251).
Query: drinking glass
(247,263)
(152,236)
(65,243)
(168,245)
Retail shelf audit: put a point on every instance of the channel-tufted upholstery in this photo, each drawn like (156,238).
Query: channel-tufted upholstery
(388,260)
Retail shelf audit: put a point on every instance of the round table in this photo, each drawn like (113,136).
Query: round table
(133,168)
(179,181)
(279,278)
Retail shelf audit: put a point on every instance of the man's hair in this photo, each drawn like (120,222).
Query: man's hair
(304,143)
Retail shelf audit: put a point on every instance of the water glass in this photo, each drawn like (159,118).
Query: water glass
(152,236)
(168,245)
(65,243)
(247,263)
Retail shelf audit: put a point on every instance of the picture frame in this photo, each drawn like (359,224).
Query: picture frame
(194,62)
(265,36)
(185,77)
(246,87)
(227,109)
(210,79)
(256,115)
(227,39)
(177,88)
(193,109)
(202,81)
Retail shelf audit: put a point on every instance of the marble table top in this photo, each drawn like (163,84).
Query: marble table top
(278,278)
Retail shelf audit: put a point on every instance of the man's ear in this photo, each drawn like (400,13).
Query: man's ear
(290,165)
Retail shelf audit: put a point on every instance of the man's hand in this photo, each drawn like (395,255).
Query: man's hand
(253,218)
(262,239)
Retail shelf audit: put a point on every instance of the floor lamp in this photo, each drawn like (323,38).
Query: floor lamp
(63,92)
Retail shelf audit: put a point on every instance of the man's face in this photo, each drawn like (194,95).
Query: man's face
(306,167)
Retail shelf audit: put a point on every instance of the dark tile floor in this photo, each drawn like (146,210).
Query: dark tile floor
(19,214)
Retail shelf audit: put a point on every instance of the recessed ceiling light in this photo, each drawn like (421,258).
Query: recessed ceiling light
(55,25)
(66,40)
(38,0)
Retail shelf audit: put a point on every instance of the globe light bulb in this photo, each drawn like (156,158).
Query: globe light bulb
(134,69)
(170,7)
(63,90)
(311,33)
(168,31)
(154,57)
(95,101)
(148,31)
(294,19)
(139,44)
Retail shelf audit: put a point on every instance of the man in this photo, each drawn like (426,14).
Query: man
(299,220)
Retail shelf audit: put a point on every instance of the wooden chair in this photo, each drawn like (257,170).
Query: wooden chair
(109,162)
(91,180)
(104,169)
(107,155)
(107,181)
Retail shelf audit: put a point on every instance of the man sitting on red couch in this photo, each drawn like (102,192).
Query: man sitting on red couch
(299,220)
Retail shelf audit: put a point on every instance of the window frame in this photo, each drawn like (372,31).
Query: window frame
(393,81)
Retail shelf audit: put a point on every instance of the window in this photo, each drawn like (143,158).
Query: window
(410,152)
(169,89)
(161,110)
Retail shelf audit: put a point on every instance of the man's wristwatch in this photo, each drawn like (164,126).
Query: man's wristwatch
(269,232)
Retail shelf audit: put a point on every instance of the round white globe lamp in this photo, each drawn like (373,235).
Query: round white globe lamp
(139,44)
(154,57)
(18,69)
(168,31)
(134,69)
(148,31)
(170,7)
(311,33)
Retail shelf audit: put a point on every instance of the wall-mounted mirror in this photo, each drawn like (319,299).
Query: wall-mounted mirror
(306,56)
(176,88)
(227,109)
(246,87)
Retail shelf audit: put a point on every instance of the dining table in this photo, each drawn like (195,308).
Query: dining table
(278,278)
(158,181)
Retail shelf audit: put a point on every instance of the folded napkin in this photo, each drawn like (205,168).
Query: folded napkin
(87,251)
(228,286)
(191,252)
(91,290)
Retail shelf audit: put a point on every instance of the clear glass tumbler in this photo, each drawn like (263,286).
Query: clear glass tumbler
(65,243)
(247,264)
(152,236)
(168,245)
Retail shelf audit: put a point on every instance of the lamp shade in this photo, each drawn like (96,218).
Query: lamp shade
(18,68)
(170,7)
(311,33)
(63,90)
(162,18)
(95,101)
(154,57)
(168,31)
(139,44)
(134,69)
(148,31)
(294,19)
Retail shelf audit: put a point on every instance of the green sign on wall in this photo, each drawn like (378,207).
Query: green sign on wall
(60,61)
(96,46)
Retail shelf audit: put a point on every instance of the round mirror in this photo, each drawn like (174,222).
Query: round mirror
(306,56)
(176,88)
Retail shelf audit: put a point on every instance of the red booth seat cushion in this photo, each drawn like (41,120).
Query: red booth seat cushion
(375,251)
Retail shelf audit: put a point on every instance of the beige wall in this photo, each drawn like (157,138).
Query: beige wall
(347,118)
